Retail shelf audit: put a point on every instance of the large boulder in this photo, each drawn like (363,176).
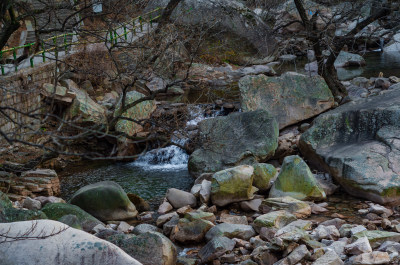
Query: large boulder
(224,16)
(84,109)
(394,46)
(290,98)
(297,181)
(346,59)
(239,138)
(357,143)
(264,174)
(56,243)
(139,112)
(106,201)
(232,185)
(56,211)
(150,248)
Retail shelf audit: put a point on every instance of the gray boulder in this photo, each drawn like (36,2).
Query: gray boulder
(180,198)
(346,59)
(58,244)
(290,98)
(226,16)
(244,232)
(357,143)
(239,138)
(106,201)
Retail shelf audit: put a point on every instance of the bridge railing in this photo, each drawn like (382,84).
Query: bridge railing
(59,43)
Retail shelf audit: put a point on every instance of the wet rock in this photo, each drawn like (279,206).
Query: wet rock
(232,185)
(298,208)
(263,176)
(190,231)
(179,198)
(165,218)
(55,211)
(106,201)
(329,258)
(57,248)
(252,205)
(346,59)
(375,257)
(150,248)
(358,247)
(274,94)
(215,248)
(276,219)
(234,140)
(358,139)
(32,204)
(296,180)
(244,232)
(140,204)
(144,228)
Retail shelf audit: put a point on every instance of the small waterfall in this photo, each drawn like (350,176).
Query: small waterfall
(172,157)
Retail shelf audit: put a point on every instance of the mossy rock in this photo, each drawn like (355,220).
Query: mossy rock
(5,202)
(106,201)
(377,237)
(263,175)
(232,185)
(296,180)
(17,215)
(57,211)
(275,219)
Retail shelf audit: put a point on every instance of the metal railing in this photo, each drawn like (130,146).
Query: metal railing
(111,37)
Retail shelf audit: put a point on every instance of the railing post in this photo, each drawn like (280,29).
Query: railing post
(134,27)
(115,36)
(65,43)
(1,64)
(151,22)
(15,59)
(126,36)
(141,24)
(55,47)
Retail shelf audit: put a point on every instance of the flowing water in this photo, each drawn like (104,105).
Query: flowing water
(150,176)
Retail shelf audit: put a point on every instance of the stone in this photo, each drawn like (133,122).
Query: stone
(59,94)
(123,227)
(244,232)
(375,257)
(358,247)
(46,180)
(164,208)
(326,232)
(150,248)
(232,185)
(162,219)
(180,198)
(264,256)
(251,205)
(382,83)
(194,215)
(31,204)
(263,176)
(379,209)
(58,244)
(170,225)
(359,139)
(377,237)
(205,191)
(141,111)
(338,247)
(55,211)
(346,59)
(296,180)
(106,201)
(233,219)
(236,19)
(84,109)
(140,204)
(277,219)
(144,228)
(329,258)
(290,98)
(294,231)
(215,248)
(296,207)
(190,231)
(295,256)
(236,139)
(348,230)
(51,199)
(336,222)
(72,221)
